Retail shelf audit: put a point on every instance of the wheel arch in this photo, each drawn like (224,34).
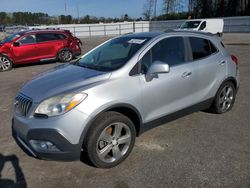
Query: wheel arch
(126,109)
(6,55)
(230,79)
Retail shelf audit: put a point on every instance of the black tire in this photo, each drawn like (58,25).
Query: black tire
(5,63)
(224,100)
(93,139)
(65,55)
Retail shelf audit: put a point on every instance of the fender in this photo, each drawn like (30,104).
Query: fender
(6,55)
(118,105)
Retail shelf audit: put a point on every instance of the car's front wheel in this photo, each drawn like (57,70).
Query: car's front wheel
(224,99)
(5,63)
(110,140)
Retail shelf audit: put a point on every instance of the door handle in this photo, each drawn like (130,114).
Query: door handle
(223,62)
(186,74)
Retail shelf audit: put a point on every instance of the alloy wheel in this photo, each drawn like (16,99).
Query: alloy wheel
(66,55)
(226,98)
(5,63)
(113,142)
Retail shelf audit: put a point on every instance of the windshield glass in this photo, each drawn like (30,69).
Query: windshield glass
(190,24)
(10,38)
(113,54)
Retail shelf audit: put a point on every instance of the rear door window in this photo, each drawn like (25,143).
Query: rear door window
(45,37)
(201,48)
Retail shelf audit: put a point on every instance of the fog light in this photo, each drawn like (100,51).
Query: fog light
(40,145)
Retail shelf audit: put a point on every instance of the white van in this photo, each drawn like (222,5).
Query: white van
(214,26)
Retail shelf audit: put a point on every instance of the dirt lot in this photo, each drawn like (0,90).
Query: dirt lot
(199,150)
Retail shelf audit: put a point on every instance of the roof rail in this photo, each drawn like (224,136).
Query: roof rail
(188,31)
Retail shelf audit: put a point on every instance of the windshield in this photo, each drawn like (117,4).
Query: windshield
(113,54)
(190,24)
(10,38)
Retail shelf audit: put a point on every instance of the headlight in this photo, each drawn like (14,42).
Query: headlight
(60,104)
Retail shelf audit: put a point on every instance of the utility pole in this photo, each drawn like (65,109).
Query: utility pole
(65,7)
(155,9)
(78,16)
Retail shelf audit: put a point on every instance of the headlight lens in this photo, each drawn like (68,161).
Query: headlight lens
(60,104)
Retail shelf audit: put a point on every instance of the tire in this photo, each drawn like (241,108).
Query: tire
(110,140)
(224,99)
(65,55)
(5,63)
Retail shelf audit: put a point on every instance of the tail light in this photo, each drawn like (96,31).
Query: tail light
(235,59)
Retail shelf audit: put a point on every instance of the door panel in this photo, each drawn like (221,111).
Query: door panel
(168,93)
(26,52)
(209,68)
(48,45)
(208,74)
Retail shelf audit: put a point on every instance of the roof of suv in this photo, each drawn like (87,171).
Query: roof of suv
(43,31)
(155,34)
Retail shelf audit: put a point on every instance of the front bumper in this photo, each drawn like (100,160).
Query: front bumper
(25,129)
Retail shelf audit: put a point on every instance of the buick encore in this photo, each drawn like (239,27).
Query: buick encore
(98,104)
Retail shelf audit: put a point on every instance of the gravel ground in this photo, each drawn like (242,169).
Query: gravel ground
(199,150)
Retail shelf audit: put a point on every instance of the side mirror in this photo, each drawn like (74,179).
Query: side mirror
(158,67)
(16,44)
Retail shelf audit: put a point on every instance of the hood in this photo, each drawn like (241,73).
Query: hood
(61,79)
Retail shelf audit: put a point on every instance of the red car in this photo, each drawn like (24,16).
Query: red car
(38,46)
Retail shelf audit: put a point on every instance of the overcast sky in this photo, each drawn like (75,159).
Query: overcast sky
(105,8)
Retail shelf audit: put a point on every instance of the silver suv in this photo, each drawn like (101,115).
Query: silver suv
(97,105)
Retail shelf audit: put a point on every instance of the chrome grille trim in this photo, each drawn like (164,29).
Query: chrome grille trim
(22,104)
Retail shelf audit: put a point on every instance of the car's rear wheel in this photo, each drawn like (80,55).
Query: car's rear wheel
(110,140)
(65,55)
(224,99)
(5,63)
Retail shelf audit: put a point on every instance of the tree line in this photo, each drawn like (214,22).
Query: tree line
(179,9)
(171,9)
(28,18)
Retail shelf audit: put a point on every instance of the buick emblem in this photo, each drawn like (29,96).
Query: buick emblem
(16,103)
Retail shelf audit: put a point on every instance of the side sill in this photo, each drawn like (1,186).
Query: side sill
(171,117)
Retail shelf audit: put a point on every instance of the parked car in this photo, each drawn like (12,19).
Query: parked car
(97,105)
(214,26)
(38,46)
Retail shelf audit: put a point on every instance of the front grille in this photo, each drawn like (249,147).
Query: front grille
(22,104)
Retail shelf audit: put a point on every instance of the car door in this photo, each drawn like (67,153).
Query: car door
(24,50)
(168,92)
(209,68)
(48,44)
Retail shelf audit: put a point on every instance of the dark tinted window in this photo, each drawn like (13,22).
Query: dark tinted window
(43,37)
(213,48)
(203,25)
(170,50)
(29,39)
(60,36)
(190,24)
(200,47)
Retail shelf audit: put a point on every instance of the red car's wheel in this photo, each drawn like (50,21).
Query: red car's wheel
(5,63)
(65,55)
